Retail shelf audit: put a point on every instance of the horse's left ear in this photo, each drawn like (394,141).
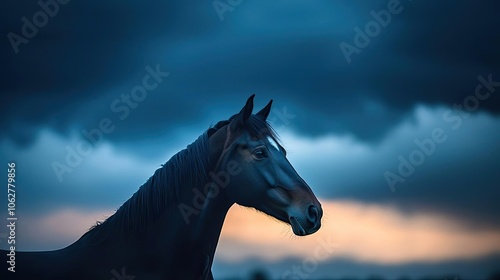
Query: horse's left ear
(264,113)
(244,114)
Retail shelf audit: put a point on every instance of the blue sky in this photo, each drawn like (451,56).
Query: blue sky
(346,121)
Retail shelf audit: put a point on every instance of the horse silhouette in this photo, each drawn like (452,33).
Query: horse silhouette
(169,229)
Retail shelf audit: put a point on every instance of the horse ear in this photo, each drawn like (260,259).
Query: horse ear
(242,117)
(264,113)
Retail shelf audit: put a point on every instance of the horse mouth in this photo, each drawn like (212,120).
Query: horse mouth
(299,230)
(297,227)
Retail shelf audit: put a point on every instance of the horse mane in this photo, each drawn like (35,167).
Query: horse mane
(189,167)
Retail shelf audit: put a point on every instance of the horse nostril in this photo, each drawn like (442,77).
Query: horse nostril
(312,213)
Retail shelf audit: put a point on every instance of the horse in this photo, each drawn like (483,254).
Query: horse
(169,229)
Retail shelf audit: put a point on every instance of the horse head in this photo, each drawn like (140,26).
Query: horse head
(259,175)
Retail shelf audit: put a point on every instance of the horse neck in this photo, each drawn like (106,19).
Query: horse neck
(204,228)
(191,237)
(205,225)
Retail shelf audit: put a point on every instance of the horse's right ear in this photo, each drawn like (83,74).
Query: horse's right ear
(264,113)
(242,117)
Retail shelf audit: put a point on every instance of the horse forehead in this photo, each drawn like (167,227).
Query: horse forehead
(273,143)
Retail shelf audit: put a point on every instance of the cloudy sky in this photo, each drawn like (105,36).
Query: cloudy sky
(389,110)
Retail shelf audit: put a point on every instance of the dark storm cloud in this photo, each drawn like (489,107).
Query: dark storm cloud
(429,53)
(83,52)
(90,54)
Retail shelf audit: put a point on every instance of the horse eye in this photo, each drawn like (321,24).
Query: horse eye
(259,154)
